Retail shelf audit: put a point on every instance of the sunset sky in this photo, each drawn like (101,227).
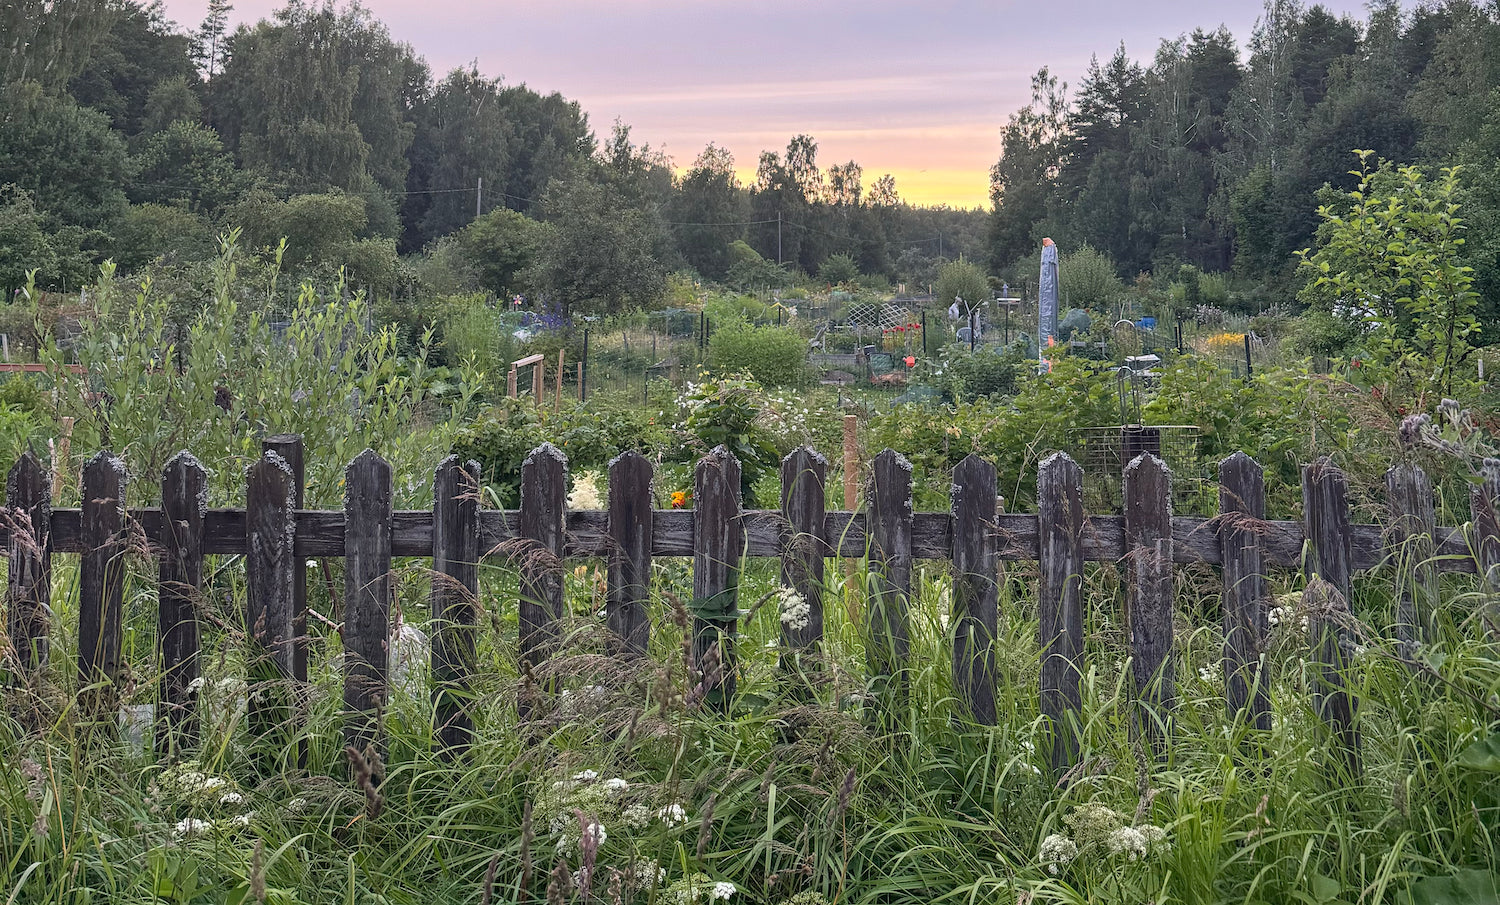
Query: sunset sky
(919,90)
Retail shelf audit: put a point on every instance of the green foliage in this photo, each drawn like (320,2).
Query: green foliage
(838,269)
(772,356)
(1392,259)
(726,413)
(989,370)
(499,440)
(748,271)
(961,279)
(596,253)
(218,384)
(499,246)
(1087,279)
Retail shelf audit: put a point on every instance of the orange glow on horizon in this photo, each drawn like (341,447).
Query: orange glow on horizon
(924,188)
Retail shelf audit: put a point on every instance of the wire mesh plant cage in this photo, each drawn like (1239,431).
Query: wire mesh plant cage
(1103,452)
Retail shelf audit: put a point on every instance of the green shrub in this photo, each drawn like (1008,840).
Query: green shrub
(837,269)
(962,279)
(773,356)
(592,437)
(990,370)
(726,413)
(1087,278)
(499,440)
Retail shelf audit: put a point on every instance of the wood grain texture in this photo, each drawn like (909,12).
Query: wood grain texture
(1242,507)
(544,493)
(28,494)
(290,448)
(271,567)
(1333,655)
(367,598)
(101,584)
(718,542)
(1484,508)
(974,501)
(454,600)
(1149,596)
(1194,539)
(184,494)
(1325,507)
(629,552)
(804,486)
(1059,496)
(889,515)
(1413,525)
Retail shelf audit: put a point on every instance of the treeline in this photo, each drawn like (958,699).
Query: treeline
(1200,159)
(124,137)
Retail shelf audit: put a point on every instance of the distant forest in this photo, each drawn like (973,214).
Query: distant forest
(126,137)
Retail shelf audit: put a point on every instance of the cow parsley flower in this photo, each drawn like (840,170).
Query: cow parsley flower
(796,612)
(1056,851)
(1128,841)
(189,827)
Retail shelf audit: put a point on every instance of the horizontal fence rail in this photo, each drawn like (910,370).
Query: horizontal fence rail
(1195,539)
(276,535)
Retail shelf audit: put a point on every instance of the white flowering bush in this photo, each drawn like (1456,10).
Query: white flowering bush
(795,610)
(1100,831)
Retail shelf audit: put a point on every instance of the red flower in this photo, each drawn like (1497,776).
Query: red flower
(911,361)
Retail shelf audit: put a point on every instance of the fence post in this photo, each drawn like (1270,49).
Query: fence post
(630,537)
(28,494)
(289,448)
(454,599)
(1326,600)
(1059,606)
(184,501)
(557,391)
(1242,503)
(544,492)
(1484,509)
(888,523)
(804,480)
(510,383)
(718,543)
(1413,530)
(270,591)
(367,598)
(975,592)
(1148,549)
(101,584)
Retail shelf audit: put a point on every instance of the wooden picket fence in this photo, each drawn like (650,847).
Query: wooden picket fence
(276,535)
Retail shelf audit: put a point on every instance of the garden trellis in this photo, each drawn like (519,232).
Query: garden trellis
(276,535)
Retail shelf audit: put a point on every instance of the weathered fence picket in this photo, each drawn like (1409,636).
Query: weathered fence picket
(1242,510)
(1149,597)
(1326,507)
(544,494)
(1059,495)
(889,526)
(630,537)
(184,503)
(271,569)
(718,540)
(277,536)
(804,483)
(28,490)
(1413,526)
(101,583)
(367,598)
(975,592)
(455,599)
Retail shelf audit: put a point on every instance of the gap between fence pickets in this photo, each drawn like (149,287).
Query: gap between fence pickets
(1194,538)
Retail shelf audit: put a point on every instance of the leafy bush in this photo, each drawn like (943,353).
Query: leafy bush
(773,356)
(726,413)
(592,437)
(837,269)
(1087,278)
(989,370)
(964,280)
(499,440)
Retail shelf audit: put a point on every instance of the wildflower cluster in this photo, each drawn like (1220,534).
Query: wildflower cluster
(188,787)
(576,812)
(796,612)
(1100,830)
(586,494)
(697,889)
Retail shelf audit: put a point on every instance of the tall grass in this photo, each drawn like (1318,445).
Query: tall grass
(848,797)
